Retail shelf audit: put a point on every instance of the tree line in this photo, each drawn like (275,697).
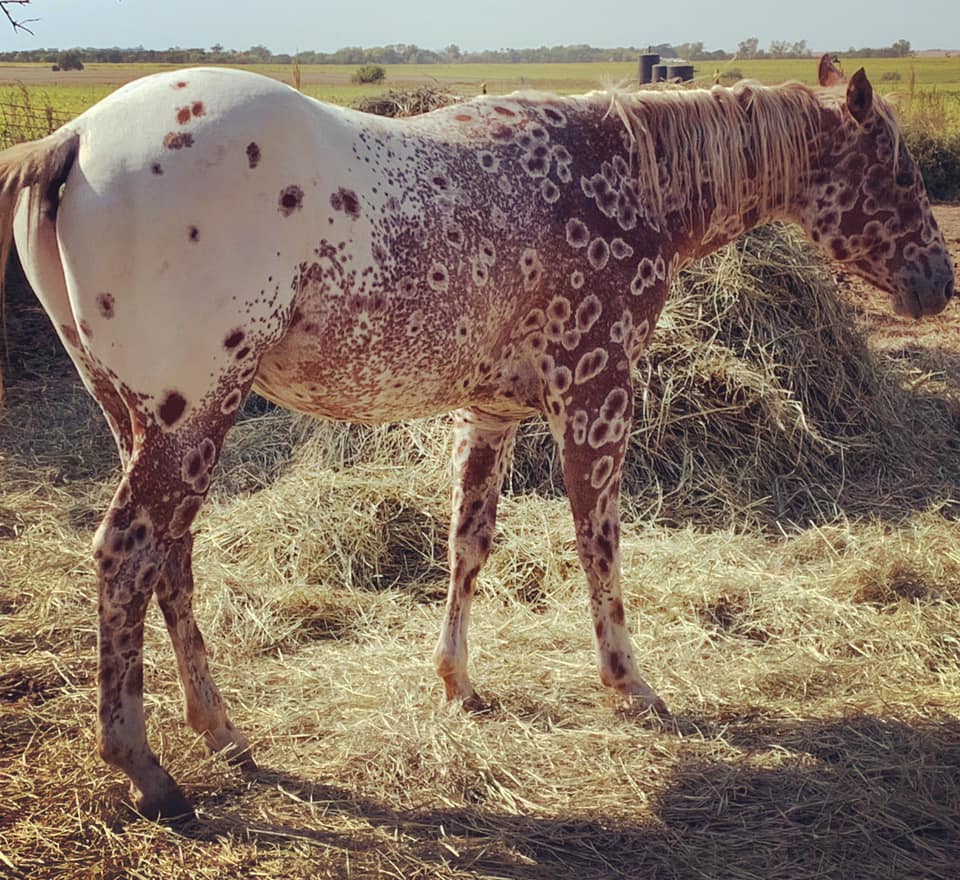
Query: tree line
(402,53)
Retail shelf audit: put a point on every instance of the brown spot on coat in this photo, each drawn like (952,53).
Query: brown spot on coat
(234,338)
(178,140)
(197,108)
(70,335)
(193,465)
(291,199)
(184,515)
(253,154)
(231,402)
(171,408)
(183,115)
(194,234)
(157,168)
(105,303)
(616,666)
(346,200)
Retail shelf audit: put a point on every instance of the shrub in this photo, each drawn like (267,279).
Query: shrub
(369,73)
(891,76)
(69,61)
(937,155)
(731,76)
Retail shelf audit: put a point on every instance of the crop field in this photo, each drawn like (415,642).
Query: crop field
(69,93)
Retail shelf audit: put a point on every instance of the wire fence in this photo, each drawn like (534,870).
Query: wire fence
(25,117)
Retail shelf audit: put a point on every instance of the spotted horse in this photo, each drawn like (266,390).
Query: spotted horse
(204,232)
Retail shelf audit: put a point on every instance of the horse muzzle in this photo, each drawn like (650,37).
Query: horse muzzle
(925,296)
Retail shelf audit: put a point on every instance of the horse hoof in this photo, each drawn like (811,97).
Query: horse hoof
(242,759)
(170,805)
(476,705)
(647,706)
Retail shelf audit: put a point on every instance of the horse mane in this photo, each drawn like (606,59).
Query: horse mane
(751,144)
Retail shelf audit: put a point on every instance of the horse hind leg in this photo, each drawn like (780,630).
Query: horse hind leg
(481,452)
(205,711)
(142,546)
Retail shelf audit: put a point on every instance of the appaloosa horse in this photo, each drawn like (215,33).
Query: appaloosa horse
(202,232)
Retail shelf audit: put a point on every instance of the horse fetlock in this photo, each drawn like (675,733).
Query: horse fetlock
(229,741)
(456,682)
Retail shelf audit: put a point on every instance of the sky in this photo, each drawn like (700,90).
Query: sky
(326,25)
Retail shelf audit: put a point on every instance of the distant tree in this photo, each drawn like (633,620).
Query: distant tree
(778,48)
(901,47)
(452,52)
(71,60)
(784,49)
(690,51)
(748,48)
(259,54)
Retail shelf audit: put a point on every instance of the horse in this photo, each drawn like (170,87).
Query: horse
(203,232)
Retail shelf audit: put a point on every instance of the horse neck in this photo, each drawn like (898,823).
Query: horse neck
(725,160)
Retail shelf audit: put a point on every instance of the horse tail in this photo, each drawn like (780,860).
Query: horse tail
(42,167)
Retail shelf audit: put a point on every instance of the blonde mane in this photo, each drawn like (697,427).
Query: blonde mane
(751,144)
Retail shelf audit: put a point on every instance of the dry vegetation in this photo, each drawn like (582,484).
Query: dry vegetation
(792,572)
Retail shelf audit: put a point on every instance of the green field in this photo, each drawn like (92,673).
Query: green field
(71,93)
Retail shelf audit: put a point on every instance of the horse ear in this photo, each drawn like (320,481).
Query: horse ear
(828,73)
(859,96)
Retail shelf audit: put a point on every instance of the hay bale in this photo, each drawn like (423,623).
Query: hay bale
(759,402)
(409,102)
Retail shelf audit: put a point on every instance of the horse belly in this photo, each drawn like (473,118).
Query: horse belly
(363,367)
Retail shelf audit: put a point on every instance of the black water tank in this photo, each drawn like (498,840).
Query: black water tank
(646,67)
(659,73)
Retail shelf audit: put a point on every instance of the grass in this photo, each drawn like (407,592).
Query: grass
(806,641)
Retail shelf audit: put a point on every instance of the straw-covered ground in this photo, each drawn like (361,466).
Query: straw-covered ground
(792,571)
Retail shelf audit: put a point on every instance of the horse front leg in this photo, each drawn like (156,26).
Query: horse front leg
(591,425)
(482,445)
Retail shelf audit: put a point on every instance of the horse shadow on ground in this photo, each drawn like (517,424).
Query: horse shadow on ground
(846,798)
